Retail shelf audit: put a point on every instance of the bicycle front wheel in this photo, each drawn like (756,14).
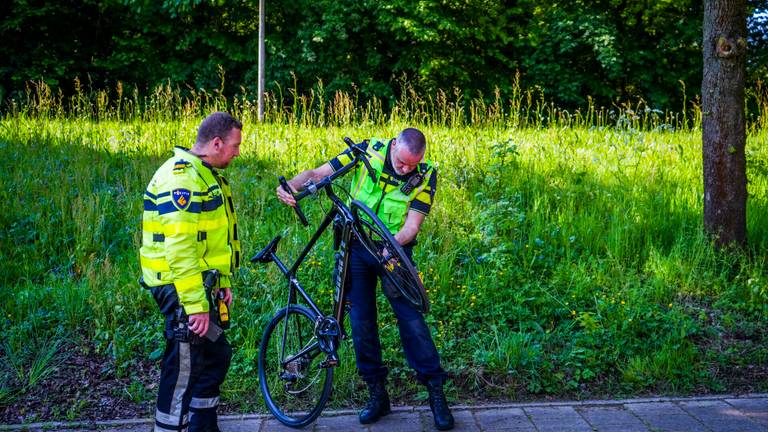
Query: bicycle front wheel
(294,386)
(396,267)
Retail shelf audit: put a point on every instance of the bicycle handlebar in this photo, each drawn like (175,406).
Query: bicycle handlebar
(359,155)
(284,185)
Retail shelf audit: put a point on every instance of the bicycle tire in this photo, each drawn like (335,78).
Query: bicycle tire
(396,267)
(295,393)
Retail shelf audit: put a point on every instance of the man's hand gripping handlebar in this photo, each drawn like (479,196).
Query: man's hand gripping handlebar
(311,188)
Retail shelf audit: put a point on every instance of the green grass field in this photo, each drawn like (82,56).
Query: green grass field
(564,256)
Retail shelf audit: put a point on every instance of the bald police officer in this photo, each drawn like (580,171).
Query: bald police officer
(402,197)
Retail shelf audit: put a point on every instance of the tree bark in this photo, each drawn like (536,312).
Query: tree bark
(723,123)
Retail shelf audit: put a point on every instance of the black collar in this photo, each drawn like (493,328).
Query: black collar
(205,164)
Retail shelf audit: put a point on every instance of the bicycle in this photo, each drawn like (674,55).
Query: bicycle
(298,351)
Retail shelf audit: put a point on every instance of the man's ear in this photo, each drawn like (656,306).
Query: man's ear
(217,143)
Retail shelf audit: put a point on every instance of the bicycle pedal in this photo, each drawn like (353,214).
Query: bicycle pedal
(331,361)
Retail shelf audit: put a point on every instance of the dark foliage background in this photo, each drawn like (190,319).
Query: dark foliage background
(611,50)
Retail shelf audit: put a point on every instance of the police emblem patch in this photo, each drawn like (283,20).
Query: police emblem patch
(181,198)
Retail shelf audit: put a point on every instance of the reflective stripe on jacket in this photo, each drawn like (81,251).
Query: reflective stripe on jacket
(188,226)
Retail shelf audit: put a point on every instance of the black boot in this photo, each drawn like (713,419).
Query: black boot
(378,403)
(203,420)
(440,411)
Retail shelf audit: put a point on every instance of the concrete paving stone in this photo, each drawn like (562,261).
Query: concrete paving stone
(561,425)
(136,428)
(622,428)
(666,416)
(35,429)
(497,420)
(655,408)
(566,414)
(399,421)
(735,426)
(711,412)
(510,428)
(241,425)
(556,412)
(463,421)
(709,409)
(755,408)
(721,416)
(272,425)
(615,418)
(342,423)
(520,428)
(679,423)
(560,418)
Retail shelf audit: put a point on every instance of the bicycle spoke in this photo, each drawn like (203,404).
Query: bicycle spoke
(395,265)
(294,385)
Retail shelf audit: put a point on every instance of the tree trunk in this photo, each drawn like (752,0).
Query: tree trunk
(724,125)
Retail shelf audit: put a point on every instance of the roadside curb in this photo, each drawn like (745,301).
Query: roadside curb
(104,424)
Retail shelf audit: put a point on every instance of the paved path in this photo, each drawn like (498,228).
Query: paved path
(725,413)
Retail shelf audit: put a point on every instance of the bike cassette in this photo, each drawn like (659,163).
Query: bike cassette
(295,369)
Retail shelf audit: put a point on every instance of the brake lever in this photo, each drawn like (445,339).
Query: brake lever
(361,155)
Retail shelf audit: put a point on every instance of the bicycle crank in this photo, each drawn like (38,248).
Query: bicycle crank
(327,331)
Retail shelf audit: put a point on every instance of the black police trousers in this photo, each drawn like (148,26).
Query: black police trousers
(193,369)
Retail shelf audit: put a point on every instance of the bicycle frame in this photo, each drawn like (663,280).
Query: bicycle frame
(340,209)
(294,285)
(354,223)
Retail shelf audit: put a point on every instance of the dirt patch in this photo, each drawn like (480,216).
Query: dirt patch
(83,386)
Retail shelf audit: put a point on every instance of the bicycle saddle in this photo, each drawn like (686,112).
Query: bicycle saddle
(265,255)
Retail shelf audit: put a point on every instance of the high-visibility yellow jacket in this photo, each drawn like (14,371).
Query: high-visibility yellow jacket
(189,226)
(385,196)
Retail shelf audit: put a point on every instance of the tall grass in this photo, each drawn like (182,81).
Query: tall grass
(521,108)
(564,254)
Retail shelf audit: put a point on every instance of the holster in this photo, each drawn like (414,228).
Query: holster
(176,320)
(211,282)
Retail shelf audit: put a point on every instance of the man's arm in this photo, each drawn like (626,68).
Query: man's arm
(410,228)
(419,209)
(297,183)
(180,224)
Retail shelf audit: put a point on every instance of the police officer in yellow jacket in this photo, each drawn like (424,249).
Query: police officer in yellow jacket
(190,250)
(402,197)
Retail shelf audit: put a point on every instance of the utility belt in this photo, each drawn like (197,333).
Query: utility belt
(177,321)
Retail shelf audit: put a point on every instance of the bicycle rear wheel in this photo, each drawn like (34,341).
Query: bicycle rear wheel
(294,386)
(396,267)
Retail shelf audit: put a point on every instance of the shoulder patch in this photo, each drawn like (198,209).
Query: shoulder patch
(181,198)
(180,165)
(378,146)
